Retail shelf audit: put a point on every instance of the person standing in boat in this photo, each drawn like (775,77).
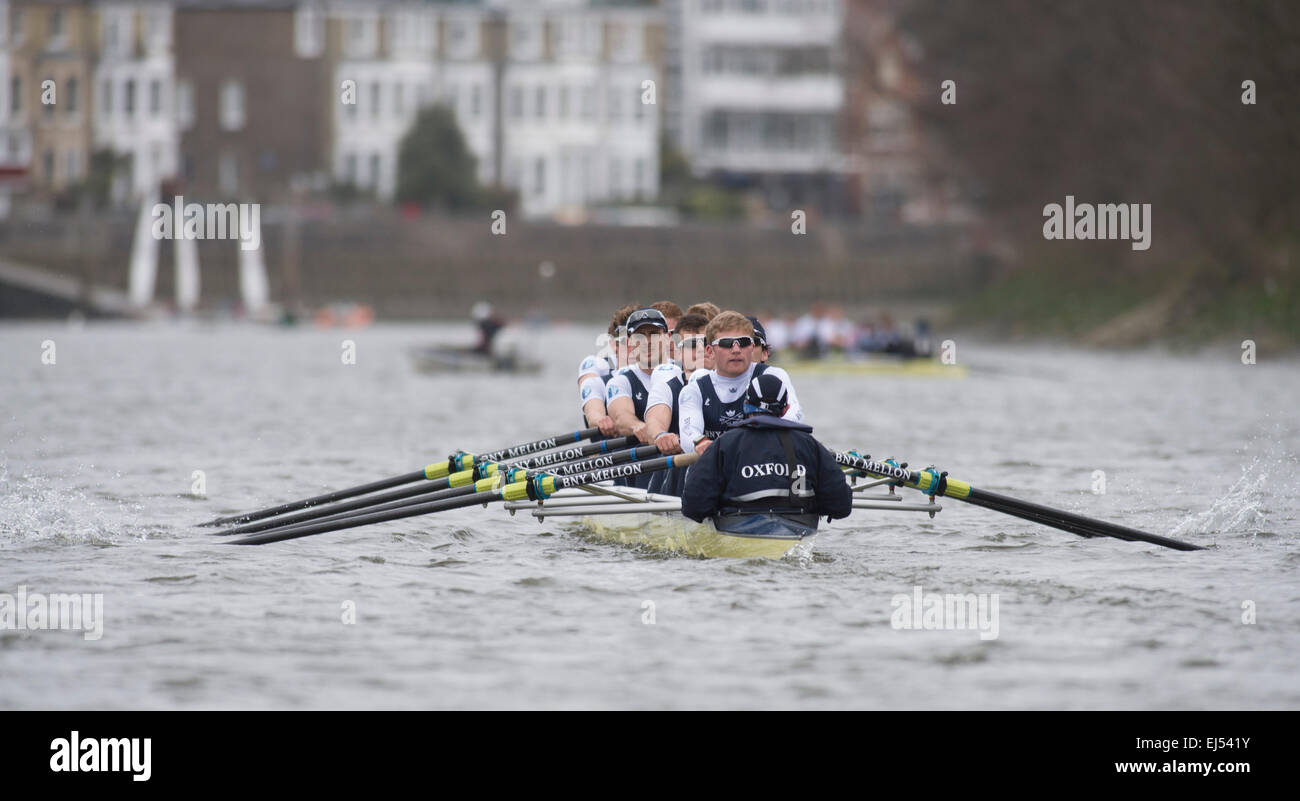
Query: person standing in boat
(712,403)
(595,371)
(628,390)
(766,469)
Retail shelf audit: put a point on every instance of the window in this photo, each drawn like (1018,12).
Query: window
(399,99)
(360,36)
(228,173)
(129,103)
(16,92)
(516,102)
(107,97)
(374,99)
(184,104)
(615,104)
(72,167)
(47,163)
(462,38)
(588,102)
(526,39)
(350,169)
(374,169)
(539,176)
(308,31)
(155,97)
(540,109)
(638,180)
(475,101)
(564,102)
(70,96)
(615,178)
(232,105)
(57,29)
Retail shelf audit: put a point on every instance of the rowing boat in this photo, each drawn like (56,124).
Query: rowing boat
(634,517)
(556,476)
(874,366)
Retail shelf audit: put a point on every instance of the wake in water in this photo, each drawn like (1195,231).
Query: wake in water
(42,509)
(1247,507)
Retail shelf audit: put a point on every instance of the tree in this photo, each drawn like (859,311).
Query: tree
(435,167)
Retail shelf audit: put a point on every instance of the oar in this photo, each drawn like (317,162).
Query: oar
(433,471)
(463,480)
(934,483)
(537,487)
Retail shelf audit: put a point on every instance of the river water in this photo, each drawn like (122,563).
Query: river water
(473,608)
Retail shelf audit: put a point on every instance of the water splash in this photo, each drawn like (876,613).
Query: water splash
(1246,507)
(36,508)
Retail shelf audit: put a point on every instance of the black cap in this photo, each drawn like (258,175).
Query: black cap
(767,394)
(643,317)
(759,333)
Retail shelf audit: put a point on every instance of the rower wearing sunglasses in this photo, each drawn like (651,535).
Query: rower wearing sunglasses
(714,402)
(628,392)
(666,385)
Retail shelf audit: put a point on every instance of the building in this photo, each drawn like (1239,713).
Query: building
(253,99)
(548,94)
(758,96)
(138,104)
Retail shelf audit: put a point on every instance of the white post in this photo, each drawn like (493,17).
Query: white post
(144,256)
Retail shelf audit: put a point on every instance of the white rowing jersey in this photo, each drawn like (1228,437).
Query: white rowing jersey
(728,390)
(596,369)
(630,382)
(661,394)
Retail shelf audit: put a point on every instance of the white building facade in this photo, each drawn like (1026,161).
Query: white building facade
(759,86)
(140,109)
(558,96)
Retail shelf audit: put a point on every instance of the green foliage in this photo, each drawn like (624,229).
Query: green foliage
(436,169)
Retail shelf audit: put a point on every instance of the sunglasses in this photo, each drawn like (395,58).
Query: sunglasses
(727,343)
(691,343)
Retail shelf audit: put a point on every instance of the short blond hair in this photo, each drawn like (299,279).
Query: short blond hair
(709,310)
(728,321)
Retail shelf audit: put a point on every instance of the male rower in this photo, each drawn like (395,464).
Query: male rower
(762,352)
(628,390)
(595,371)
(666,385)
(768,467)
(714,401)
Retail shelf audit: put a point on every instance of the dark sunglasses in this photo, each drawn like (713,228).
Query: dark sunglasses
(727,343)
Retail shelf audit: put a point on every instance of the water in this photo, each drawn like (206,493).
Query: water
(473,608)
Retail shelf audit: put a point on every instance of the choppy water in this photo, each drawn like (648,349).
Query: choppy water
(473,608)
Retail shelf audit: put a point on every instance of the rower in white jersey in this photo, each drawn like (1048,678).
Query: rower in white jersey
(665,384)
(628,391)
(711,403)
(595,371)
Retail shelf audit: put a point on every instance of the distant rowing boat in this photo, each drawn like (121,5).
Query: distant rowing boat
(458,359)
(874,365)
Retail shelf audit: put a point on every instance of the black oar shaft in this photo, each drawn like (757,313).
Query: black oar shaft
(461,484)
(1046,515)
(542,486)
(435,488)
(433,471)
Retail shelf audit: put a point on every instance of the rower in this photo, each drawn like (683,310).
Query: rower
(765,470)
(714,401)
(628,391)
(666,384)
(595,371)
(762,352)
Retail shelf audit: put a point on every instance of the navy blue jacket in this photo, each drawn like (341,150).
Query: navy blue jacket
(745,470)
